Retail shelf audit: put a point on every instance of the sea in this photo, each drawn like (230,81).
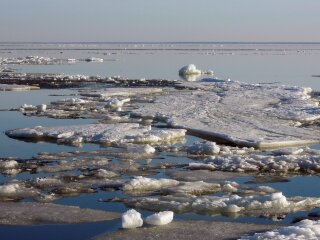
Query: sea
(293,64)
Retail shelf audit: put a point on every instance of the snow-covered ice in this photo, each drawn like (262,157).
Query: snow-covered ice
(286,161)
(267,205)
(140,183)
(131,219)
(261,116)
(100,133)
(161,218)
(306,229)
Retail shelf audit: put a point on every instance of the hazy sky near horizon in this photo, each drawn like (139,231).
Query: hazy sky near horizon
(166,20)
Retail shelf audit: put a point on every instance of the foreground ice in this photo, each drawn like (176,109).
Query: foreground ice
(99,133)
(27,213)
(268,205)
(306,229)
(262,116)
(15,87)
(161,218)
(190,230)
(131,219)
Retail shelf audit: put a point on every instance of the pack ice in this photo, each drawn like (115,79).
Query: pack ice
(288,160)
(253,115)
(268,205)
(99,133)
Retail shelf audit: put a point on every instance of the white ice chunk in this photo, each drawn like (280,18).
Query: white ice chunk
(190,69)
(161,218)
(116,103)
(206,148)
(131,219)
(140,183)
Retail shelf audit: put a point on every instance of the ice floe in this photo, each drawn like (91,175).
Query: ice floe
(131,219)
(306,229)
(161,218)
(253,115)
(140,183)
(267,205)
(286,161)
(16,191)
(99,133)
(111,92)
(15,87)
(27,213)
(94,59)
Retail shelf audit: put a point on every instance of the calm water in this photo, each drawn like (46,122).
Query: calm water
(292,64)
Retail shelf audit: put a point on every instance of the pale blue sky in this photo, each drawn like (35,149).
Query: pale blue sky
(166,20)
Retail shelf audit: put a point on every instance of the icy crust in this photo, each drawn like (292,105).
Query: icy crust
(306,229)
(286,161)
(112,92)
(269,205)
(15,87)
(99,133)
(262,116)
(27,213)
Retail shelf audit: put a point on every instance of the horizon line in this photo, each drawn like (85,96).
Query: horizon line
(159,42)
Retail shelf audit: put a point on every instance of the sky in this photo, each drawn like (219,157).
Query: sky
(166,20)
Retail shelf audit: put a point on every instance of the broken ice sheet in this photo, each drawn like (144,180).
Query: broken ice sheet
(27,213)
(269,205)
(261,116)
(302,161)
(99,133)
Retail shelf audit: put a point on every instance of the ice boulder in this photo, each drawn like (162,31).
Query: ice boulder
(190,69)
(161,218)
(131,219)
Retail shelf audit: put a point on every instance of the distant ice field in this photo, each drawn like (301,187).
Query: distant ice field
(291,64)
